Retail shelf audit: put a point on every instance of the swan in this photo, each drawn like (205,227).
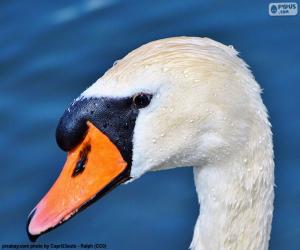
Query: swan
(175,102)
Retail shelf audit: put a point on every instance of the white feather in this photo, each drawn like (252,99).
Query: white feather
(206,112)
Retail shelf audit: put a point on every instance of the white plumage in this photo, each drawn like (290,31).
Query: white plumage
(206,112)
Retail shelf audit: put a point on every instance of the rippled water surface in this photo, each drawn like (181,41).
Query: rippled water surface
(50,51)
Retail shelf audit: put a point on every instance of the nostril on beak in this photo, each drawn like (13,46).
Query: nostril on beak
(83,158)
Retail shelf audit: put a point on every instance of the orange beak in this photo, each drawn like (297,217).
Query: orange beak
(92,168)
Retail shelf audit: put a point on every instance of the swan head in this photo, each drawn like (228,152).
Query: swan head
(170,103)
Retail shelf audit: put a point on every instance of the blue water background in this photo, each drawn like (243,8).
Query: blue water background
(50,51)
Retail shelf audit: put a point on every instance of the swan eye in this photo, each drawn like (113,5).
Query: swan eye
(141,100)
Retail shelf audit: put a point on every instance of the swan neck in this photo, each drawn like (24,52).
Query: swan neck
(236,200)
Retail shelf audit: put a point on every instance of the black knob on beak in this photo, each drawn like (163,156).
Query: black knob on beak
(72,125)
(115,117)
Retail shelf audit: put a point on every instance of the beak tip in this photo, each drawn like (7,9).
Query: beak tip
(31,237)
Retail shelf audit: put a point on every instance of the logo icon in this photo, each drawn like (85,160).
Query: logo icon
(283,9)
(273,9)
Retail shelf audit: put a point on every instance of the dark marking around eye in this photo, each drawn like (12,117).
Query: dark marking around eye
(115,117)
(80,166)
